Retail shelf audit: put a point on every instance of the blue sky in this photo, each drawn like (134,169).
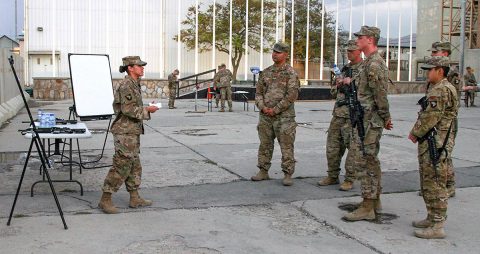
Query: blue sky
(397,7)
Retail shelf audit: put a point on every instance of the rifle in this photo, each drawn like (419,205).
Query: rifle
(355,110)
(430,138)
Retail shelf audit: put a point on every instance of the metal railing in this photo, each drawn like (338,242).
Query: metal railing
(197,82)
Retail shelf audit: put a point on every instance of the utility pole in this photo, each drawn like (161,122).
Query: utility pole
(462,37)
(16,27)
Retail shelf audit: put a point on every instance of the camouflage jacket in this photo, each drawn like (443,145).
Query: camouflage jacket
(454,80)
(372,84)
(128,107)
(278,88)
(470,80)
(223,78)
(172,80)
(341,108)
(441,113)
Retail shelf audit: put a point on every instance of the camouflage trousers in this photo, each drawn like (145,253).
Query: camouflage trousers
(171,97)
(282,128)
(367,165)
(126,166)
(338,140)
(225,94)
(434,186)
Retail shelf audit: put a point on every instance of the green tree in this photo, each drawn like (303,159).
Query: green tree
(205,26)
(300,31)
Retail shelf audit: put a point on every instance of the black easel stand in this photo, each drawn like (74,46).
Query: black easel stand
(41,153)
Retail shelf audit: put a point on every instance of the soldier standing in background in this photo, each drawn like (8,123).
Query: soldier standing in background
(172,85)
(223,81)
(126,130)
(340,129)
(372,82)
(436,120)
(470,81)
(277,91)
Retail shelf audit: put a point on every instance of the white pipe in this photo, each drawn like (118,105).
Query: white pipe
(336,32)
(230,39)
(54,38)
(196,36)
(410,55)
(284,8)
(387,54)
(292,32)
(350,20)
(143,29)
(399,52)
(179,43)
(363,16)
(376,13)
(125,31)
(261,35)
(276,21)
(214,35)
(162,38)
(107,31)
(26,62)
(72,28)
(89,26)
(321,40)
(246,40)
(308,39)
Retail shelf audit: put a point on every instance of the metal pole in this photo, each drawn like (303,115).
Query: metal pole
(214,35)
(376,13)
(196,36)
(399,51)
(411,42)
(387,54)
(230,39)
(246,39)
(261,35)
(462,37)
(336,32)
(350,26)
(54,39)
(292,32)
(321,39)
(179,60)
(276,21)
(308,40)
(363,15)
(16,25)
(143,29)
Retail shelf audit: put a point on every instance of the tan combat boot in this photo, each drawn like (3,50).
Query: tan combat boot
(230,110)
(222,110)
(425,223)
(287,180)
(328,181)
(346,186)
(136,200)
(435,231)
(260,176)
(106,204)
(364,212)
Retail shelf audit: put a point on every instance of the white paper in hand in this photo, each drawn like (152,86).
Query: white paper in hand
(158,105)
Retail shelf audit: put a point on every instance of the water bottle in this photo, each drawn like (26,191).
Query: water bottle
(51,162)
(39,115)
(43,120)
(52,119)
(337,71)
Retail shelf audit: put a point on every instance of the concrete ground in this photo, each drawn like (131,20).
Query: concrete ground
(196,169)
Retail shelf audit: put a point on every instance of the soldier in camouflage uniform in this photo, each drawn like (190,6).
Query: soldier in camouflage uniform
(172,85)
(277,91)
(340,129)
(472,82)
(441,48)
(439,113)
(222,80)
(372,82)
(126,130)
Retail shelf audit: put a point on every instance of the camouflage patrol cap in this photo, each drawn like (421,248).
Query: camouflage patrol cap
(369,31)
(133,60)
(441,46)
(352,45)
(436,61)
(281,47)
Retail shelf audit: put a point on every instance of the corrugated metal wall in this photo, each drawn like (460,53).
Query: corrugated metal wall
(115,27)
